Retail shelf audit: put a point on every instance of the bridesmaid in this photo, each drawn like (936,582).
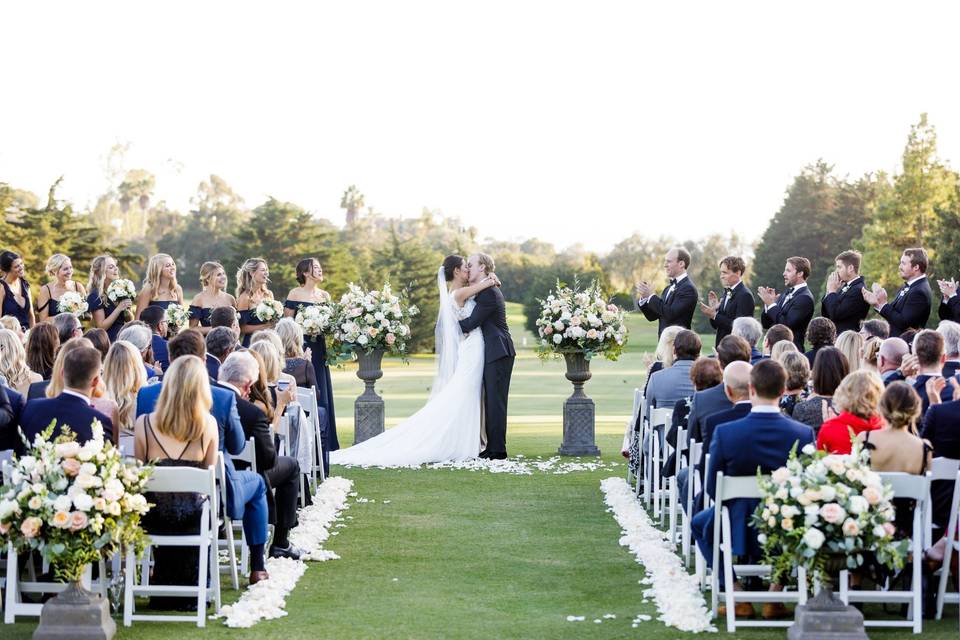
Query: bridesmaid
(160,288)
(213,279)
(60,270)
(15,291)
(106,315)
(310,275)
(252,280)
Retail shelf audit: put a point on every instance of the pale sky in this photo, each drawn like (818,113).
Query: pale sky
(572,122)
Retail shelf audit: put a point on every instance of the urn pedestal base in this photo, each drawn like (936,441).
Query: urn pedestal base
(368,416)
(825,617)
(76,614)
(579,413)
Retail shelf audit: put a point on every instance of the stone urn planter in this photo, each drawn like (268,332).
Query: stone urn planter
(579,413)
(368,407)
(825,615)
(76,613)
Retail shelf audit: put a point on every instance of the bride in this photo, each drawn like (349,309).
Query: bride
(448,426)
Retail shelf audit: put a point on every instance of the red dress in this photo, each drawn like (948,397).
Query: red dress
(834,434)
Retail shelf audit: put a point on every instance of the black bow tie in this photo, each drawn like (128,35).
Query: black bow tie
(673,282)
(788,292)
(729,291)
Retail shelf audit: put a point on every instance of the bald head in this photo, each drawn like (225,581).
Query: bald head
(736,380)
(891,354)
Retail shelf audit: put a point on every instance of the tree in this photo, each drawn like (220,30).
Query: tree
(352,201)
(634,259)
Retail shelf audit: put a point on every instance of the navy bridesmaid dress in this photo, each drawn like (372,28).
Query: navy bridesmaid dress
(247,317)
(11,308)
(94,303)
(201,314)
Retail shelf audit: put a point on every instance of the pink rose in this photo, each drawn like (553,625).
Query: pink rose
(871,495)
(4,527)
(31,527)
(832,513)
(889,528)
(390,339)
(70,466)
(850,527)
(78,521)
(547,330)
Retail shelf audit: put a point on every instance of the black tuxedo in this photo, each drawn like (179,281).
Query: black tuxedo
(910,309)
(920,386)
(740,304)
(67,410)
(675,309)
(950,369)
(950,310)
(846,308)
(794,313)
(11,406)
(490,316)
(941,426)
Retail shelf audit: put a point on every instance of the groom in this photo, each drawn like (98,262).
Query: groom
(490,314)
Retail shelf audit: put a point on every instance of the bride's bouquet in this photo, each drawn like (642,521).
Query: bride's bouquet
(575,321)
(371,320)
(315,319)
(268,310)
(73,302)
(121,289)
(177,316)
(73,503)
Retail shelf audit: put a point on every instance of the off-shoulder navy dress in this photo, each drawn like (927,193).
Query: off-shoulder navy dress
(247,317)
(201,314)
(94,303)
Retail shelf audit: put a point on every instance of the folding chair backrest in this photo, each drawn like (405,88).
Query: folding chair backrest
(906,485)
(183,479)
(127,446)
(222,481)
(696,452)
(732,487)
(6,459)
(637,403)
(940,468)
(660,417)
(307,397)
(248,455)
(681,439)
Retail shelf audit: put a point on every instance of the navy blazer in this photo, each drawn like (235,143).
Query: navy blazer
(941,426)
(161,355)
(38,389)
(950,309)
(795,314)
(232,440)
(11,408)
(736,412)
(920,386)
(213,367)
(741,304)
(910,308)
(673,310)
(66,410)
(846,307)
(759,441)
(706,403)
(490,315)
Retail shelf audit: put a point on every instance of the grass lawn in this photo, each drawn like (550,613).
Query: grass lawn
(462,554)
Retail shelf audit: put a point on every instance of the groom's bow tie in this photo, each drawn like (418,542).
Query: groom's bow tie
(673,282)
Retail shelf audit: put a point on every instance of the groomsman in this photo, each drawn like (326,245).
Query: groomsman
(910,309)
(950,302)
(843,303)
(737,301)
(675,305)
(794,307)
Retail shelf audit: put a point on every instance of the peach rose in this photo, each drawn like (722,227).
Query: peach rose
(390,338)
(31,527)
(78,521)
(70,466)
(871,495)
(832,513)
(61,520)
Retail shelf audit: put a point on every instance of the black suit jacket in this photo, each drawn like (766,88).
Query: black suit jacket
(740,304)
(11,406)
(490,315)
(255,425)
(950,368)
(67,410)
(950,310)
(795,314)
(920,385)
(38,389)
(941,426)
(676,310)
(910,310)
(847,309)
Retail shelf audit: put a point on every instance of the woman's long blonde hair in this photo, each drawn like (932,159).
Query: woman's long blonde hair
(123,375)
(155,272)
(665,346)
(850,344)
(292,336)
(859,394)
(272,365)
(185,400)
(245,283)
(98,274)
(54,264)
(13,358)
(55,387)
(207,269)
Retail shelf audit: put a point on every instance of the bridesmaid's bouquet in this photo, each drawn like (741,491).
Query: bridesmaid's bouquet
(315,319)
(121,289)
(575,321)
(177,316)
(73,302)
(371,320)
(268,310)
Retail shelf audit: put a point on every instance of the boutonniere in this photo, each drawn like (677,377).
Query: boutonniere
(845,288)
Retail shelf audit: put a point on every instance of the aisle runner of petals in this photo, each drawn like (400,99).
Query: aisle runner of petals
(266,600)
(518,465)
(676,592)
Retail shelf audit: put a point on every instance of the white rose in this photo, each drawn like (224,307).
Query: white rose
(83,502)
(68,449)
(87,481)
(362,339)
(62,503)
(781,475)
(858,504)
(814,538)
(827,493)
(35,502)
(781,493)
(557,338)
(808,449)
(89,468)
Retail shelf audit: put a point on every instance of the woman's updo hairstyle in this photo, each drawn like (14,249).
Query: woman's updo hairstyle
(900,406)
(451,264)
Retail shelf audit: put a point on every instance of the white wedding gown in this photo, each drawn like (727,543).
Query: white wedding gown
(447,428)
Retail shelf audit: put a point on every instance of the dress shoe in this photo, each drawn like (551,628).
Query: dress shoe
(775,611)
(258,576)
(288,551)
(484,454)
(742,609)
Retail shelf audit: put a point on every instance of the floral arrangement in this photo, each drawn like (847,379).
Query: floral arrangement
(315,319)
(177,316)
(822,507)
(369,320)
(269,310)
(121,289)
(73,503)
(73,302)
(573,321)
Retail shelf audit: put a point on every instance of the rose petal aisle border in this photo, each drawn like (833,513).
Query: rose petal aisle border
(519,466)
(676,592)
(267,600)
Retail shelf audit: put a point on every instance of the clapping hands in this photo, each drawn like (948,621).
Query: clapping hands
(935,387)
(948,287)
(833,282)
(768,295)
(712,305)
(643,289)
(876,296)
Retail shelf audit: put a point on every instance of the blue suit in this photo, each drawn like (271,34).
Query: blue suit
(739,448)
(160,354)
(66,410)
(213,367)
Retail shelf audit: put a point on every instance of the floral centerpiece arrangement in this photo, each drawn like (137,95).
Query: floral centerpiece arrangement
(575,321)
(370,320)
(121,289)
(177,316)
(826,512)
(73,503)
(268,310)
(73,302)
(316,319)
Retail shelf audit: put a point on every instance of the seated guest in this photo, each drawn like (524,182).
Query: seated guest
(12,323)
(81,375)
(709,401)
(11,406)
(295,363)
(99,339)
(221,342)
(155,318)
(779,349)
(798,376)
(273,367)
(238,373)
(673,383)
(875,328)
(123,375)
(910,308)
(939,428)
(98,397)
(749,328)
(43,341)
(776,334)
(890,357)
(67,326)
(928,348)
(821,332)
(951,346)
(179,433)
(13,363)
(857,399)
(225,317)
(871,352)
(829,370)
(704,373)
(271,336)
(663,356)
(141,337)
(850,344)
(763,440)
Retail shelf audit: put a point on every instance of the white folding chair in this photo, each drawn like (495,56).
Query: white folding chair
(942,473)
(187,480)
(659,418)
(632,426)
(283,435)
(229,542)
(127,446)
(731,488)
(249,456)
(307,397)
(696,451)
(17,588)
(675,511)
(905,485)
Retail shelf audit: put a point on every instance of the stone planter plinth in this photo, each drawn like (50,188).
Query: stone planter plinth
(579,413)
(368,408)
(825,617)
(76,614)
